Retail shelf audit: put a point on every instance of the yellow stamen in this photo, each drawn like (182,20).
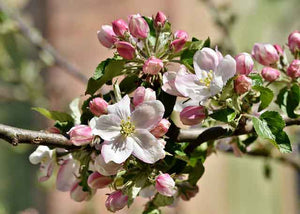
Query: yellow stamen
(127,128)
(206,81)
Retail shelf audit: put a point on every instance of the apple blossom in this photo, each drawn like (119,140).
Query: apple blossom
(119,27)
(127,133)
(98,181)
(242,84)
(45,157)
(125,49)
(294,41)
(153,66)
(265,54)
(160,19)
(81,135)
(212,74)
(294,69)
(192,115)
(67,175)
(78,194)
(161,129)
(244,63)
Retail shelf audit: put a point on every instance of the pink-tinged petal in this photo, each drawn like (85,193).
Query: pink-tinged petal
(188,85)
(106,126)
(169,84)
(206,59)
(146,147)
(226,68)
(46,171)
(107,169)
(148,114)
(121,108)
(66,175)
(117,151)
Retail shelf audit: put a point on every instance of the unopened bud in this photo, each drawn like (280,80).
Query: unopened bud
(125,49)
(161,129)
(244,63)
(98,106)
(160,19)
(116,201)
(81,135)
(143,94)
(106,36)
(153,66)
(120,27)
(98,181)
(270,74)
(294,41)
(138,26)
(192,115)
(165,185)
(265,54)
(242,84)
(294,69)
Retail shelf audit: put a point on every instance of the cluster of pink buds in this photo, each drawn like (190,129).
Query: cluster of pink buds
(132,40)
(244,66)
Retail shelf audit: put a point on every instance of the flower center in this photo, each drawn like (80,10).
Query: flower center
(127,128)
(207,80)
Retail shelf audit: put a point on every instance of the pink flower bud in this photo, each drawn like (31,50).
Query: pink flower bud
(153,66)
(279,49)
(165,185)
(294,69)
(142,94)
(180,34)
(160,19)
(81,135)
(125,49)
(244,63)
(138,26)
(106,36)
(270,74)
(177,45)
(120,27)
(294,41)
(242,84)
(161,129)
(116,201)
(265,54)
(98,181)
(192,115)
(77,193)
(98,106)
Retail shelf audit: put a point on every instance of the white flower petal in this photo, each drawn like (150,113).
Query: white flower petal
(42,152)
(66,175)
(205,59)
(106,169)
(106,126)
(226,68)
(148,114)
(121,108)
(146,147)
(117,151)
(187,84)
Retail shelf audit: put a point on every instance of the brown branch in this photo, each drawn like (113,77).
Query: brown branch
(16,136)
(37,40)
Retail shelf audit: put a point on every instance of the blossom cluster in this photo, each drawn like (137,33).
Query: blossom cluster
(124,138)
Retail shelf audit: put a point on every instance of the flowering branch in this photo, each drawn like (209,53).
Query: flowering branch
(37,40)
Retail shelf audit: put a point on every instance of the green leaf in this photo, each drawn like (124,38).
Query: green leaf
(105,72)
(266,96)
(292,101)
(161,200)
(195,173)
(256,79)
(129,84)
(225,115)
(281,98)
(54,115)
(270,126)
(262,129)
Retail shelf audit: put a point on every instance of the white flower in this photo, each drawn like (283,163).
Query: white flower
(212,73)
(67,175)
(106,169)
(127,133)
(45,157)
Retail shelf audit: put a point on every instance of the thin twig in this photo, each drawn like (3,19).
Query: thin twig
(38,41)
